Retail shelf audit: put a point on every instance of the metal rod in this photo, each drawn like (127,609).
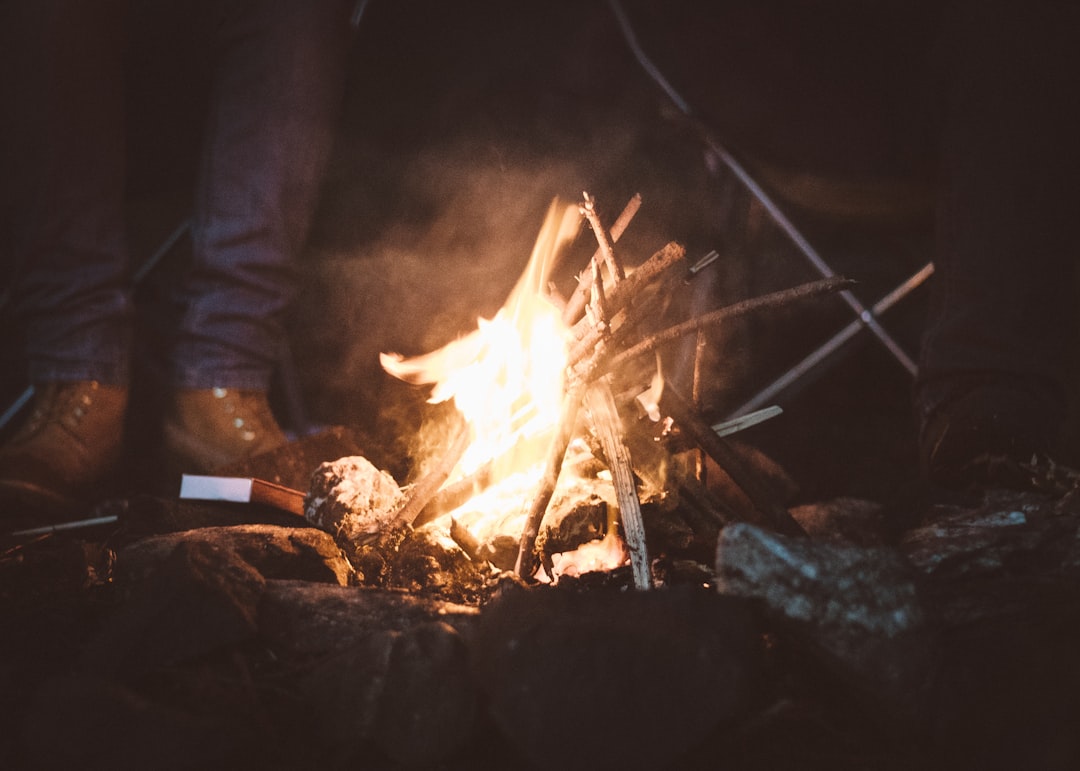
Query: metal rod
(79,523)
(837,341)
(865,316)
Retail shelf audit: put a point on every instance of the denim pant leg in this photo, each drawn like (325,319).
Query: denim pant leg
(70,286)
(1003,298)
(275,100)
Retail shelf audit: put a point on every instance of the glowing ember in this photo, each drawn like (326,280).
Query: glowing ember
(603,554)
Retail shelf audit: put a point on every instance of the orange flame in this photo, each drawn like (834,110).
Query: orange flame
(507,379)
(507,376)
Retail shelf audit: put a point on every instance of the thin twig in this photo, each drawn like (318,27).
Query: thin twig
(690,423)
(450,497)
(526,559)
(773,300)
(608,427)
(697,396)
(665,262)
(425,489)
(576,303)
(607,251)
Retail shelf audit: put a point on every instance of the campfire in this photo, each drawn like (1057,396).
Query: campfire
(477,616)
(564,430)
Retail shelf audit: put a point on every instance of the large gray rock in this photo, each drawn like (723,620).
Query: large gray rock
(857,608)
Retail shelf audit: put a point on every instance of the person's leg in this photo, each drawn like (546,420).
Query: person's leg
(991,379)
(69,293)
(274,106)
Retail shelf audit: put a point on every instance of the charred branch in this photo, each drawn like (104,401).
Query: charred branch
(688,421)
(426,488)
(607,251)
(576,304)
(774,300)
(526,559)
(608,426)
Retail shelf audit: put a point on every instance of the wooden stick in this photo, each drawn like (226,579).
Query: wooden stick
(608,427)
(426,488)
(664,263)
(526,559)
(672,404)
(576,304)
(597,308)
(700,346)
(615,269)
(773,300)
(452,496)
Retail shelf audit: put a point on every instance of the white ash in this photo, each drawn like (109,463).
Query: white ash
(353,499)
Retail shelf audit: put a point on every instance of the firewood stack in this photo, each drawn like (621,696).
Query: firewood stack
(612,315)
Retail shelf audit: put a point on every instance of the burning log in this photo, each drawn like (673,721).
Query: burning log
(605,418)
(526,559)
(614,331)
(429,485)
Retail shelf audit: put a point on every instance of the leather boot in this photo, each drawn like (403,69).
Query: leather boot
(209,428)
(70,443)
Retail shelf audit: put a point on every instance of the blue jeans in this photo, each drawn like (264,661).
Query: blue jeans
(277,85)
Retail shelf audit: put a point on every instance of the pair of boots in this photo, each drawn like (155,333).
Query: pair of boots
(73,439)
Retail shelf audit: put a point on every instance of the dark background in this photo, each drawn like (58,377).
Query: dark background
(463,121)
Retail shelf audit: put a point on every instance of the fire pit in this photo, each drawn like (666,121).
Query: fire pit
(492,612)
(535,390)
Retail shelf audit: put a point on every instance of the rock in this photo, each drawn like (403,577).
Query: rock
(856,608)
(352,499)
(429,703)
(79,721)
(337,702)
(202,597)
(407,693)
(301,553)
(1012,531)
(303,619)
(854,520)
(610,679)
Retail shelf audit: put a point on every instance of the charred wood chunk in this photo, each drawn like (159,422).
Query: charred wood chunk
(352,499)
(999,558)
(577,514)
